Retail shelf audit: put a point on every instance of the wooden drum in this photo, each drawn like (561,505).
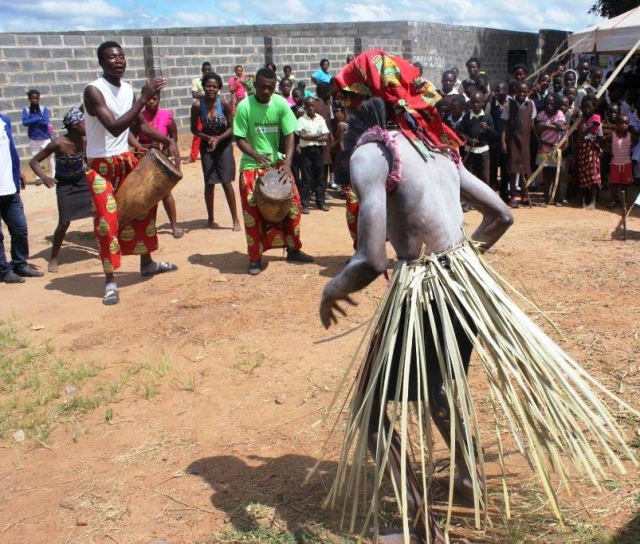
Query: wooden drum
(274,196)
(148,184)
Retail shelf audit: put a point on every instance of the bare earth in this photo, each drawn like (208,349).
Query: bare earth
(218,380)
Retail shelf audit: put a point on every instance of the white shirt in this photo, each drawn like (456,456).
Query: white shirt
(313,127)
(100,142)
(7,186)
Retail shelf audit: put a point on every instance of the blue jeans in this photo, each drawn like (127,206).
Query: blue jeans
(12,213)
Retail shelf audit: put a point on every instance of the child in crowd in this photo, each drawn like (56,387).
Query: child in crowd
(289,75)
(620,173)
(457,84)
(567,157)
(588,152)
(298,106)
(557,84)
(497,159)
(518,116)
(442,107)
(608,127)
(285,87)
(302,85)
(477,127)
(37,119)
(456,108)
(550,127)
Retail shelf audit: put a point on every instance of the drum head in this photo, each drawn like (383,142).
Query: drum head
(274,189)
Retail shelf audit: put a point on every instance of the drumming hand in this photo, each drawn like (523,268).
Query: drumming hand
(175,154)
(263,160)
(49,182)
(286,175)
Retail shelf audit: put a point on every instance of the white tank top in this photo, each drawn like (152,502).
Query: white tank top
(100,142)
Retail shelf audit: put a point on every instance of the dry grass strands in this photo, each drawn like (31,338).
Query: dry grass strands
(557,413)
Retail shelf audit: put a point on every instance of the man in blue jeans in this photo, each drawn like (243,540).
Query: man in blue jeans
(12,211)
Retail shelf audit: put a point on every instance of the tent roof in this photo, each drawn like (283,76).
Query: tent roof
(618,35)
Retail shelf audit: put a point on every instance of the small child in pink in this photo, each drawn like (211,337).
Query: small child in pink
(550,127)
(620,171)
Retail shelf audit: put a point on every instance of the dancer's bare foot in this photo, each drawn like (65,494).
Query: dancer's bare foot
(178,232)
(237,227)
(591,206)
(53,266)
(397,537)
(210,224)
(462,486)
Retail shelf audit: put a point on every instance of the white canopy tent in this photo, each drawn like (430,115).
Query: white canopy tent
(617,35)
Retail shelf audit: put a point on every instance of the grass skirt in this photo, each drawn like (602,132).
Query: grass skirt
(555,411)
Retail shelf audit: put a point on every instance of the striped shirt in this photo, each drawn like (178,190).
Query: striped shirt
(620,149)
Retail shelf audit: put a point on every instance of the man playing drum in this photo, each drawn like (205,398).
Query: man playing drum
(110,110)
(259,122)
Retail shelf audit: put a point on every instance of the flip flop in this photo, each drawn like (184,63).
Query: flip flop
(111,297)
(160,269)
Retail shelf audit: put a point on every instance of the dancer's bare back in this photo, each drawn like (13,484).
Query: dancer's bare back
(424,209)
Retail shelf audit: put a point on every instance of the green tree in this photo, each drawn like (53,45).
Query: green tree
(613,8)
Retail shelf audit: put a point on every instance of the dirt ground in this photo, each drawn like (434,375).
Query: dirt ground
(193,413)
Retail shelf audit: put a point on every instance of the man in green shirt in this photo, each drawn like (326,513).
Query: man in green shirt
(260,123)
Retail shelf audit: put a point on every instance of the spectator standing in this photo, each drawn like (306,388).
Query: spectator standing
(588,154)
(216,148)
(550,127)
(37,119)
(236,85)
(164,122)
(518,116)
(497,159)
(197,93)
(12,211)
(477,128)
(314,135)
(322,75)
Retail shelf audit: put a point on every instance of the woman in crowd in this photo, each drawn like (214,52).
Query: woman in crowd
(70,181)
(218,164)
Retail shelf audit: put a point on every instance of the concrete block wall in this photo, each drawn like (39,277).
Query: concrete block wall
(304,56)
(60,65)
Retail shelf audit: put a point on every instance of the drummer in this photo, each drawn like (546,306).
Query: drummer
(110,110)
(260,124)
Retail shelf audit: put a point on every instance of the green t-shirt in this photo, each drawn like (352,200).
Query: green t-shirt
(261,125)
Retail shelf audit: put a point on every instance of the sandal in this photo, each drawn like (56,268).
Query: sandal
(513,203)
(160,268)
(111,297)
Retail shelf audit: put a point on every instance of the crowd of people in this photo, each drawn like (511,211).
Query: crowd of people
(583,141)
(580,143)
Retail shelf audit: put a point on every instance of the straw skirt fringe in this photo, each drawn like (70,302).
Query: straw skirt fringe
(555,411)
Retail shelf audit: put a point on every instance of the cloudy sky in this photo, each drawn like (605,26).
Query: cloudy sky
(60,15)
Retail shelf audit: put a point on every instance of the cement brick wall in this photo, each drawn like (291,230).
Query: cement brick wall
(60,65)
(441,47)
(304,56)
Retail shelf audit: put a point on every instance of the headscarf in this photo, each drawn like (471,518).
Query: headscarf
(73,117)
(410,99)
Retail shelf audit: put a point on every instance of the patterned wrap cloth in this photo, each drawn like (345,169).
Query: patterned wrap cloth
(106,175)
(262,235)
(410,99)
